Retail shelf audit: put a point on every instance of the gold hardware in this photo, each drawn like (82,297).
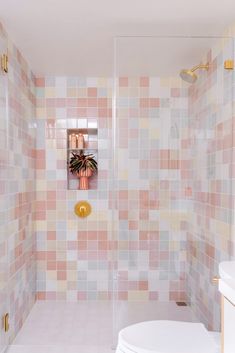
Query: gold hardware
(6,322)
(215,280)
(4,63)
(200,66)
(229,64)
(82,209)
(222,324)
(189,75)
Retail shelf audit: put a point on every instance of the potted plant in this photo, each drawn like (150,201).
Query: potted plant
(84,166)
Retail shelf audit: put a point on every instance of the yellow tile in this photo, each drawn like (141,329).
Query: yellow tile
(154,134)
(175,82)
(41,226)
(50,92)
(103,296)
(61,250)
(144,124)
(123,174)
(72,275)
(61,286)
(40,112)
(41,185)
(72,92)
(72,225)
(165,82)
(138,295)
(102,82)
(51,275)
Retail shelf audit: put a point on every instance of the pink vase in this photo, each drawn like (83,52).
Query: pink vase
(83,176)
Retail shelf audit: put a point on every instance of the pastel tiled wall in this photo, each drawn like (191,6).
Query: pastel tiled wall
(151,230)
(173,189)
(157,171)
(17,195)
(73,255)
(208,148)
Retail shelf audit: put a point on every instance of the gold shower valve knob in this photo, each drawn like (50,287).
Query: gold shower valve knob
(229,64)
(82,209)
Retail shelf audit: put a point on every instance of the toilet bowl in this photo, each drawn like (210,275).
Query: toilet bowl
(164,336)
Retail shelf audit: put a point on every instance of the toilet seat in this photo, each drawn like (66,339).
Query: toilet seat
(163,336)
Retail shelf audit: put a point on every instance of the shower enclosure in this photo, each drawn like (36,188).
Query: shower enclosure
(172,177)
(161,209)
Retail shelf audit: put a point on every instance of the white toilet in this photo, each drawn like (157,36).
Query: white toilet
(163,336)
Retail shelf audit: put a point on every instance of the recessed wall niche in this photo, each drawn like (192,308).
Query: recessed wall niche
(82,140)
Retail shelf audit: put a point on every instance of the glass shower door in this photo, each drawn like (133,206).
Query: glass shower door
(172,158)
(4,300)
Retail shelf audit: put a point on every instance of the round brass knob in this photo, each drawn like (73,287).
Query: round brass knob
(82,209)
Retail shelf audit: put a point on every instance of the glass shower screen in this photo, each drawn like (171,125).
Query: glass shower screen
(172,123)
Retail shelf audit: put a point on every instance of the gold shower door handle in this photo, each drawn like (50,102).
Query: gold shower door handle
(4,63)
(215,280)
(6,322)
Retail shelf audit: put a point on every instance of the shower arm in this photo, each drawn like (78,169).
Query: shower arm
(200,66)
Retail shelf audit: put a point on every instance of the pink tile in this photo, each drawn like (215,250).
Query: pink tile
(40,82)
(123,81)
(92,92)
(144,81)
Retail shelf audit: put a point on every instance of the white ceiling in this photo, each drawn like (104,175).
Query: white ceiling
(75,37)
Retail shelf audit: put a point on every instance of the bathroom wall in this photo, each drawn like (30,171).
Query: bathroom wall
(73,254)
(208,148)
(151,114)
(17,195)
(174,155)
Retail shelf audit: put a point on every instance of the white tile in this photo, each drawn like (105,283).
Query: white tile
(91,81)
(61,81)
(154,86)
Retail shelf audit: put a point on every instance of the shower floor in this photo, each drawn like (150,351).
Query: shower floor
(86,327)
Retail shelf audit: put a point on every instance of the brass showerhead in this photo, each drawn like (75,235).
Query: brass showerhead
(189,75)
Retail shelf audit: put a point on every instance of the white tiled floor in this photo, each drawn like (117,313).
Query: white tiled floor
(86,327)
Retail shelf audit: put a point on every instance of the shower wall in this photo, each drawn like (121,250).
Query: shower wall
(208,148)
(160,148)
(17,194)
(73,254)
(152,201)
